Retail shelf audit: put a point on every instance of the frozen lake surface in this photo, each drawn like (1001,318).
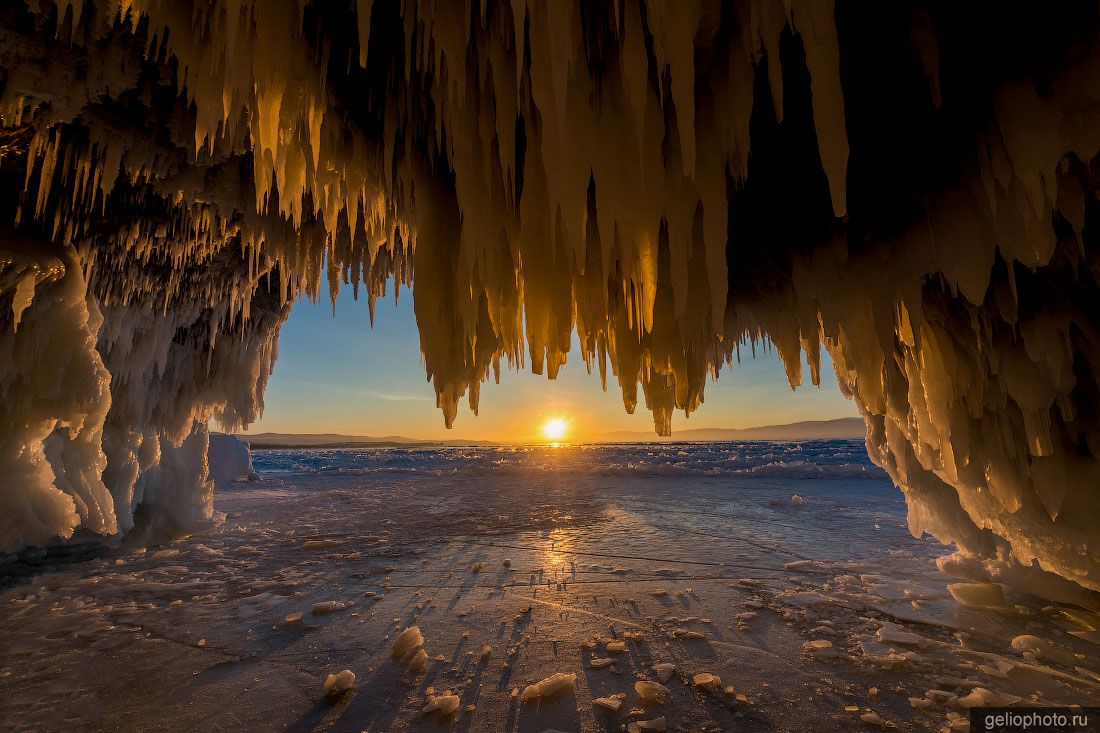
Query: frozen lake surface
(823,615)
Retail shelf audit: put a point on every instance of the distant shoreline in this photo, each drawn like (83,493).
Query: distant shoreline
(847,428)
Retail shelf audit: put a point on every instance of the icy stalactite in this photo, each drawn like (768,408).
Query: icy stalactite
(909,188)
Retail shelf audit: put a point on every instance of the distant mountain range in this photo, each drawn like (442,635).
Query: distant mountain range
(842,428)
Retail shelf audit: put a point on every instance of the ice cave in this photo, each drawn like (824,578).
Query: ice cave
(910,187)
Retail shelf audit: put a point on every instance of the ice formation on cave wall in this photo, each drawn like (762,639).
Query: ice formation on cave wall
(909,187)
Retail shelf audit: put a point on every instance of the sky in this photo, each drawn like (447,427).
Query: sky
(335,374)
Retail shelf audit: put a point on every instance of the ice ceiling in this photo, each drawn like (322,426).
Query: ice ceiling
(911,186)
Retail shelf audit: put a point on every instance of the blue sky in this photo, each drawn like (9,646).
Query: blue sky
(338,375)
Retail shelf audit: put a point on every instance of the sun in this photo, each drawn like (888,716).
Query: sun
(554,429)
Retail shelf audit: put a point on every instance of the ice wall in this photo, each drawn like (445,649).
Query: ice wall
(911,187)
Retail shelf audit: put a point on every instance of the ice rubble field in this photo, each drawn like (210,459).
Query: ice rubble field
(680,585)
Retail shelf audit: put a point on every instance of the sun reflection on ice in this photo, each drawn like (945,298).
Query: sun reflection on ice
(558,553)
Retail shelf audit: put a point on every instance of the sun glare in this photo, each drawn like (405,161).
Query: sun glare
(554,429)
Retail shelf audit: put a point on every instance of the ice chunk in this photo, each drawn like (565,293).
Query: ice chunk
(418,660)
(978,595)
(893,634)
(707,681)
(445,704)
(339,683)
(957,723)
(229,459)
(982,697)
(549,687)
(1029,643)
(320,544)
(686,634)
(408,649)
(873,718)
(1089,636)
(329,607)
(664,671)
(651,691)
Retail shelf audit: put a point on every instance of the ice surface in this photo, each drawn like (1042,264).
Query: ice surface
(119,628)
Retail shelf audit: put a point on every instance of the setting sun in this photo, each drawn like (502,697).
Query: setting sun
(554,429)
